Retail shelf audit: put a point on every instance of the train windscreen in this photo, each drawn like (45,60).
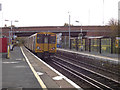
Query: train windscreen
(52,39)
(40,38)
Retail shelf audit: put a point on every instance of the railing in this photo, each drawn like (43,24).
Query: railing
(99,45)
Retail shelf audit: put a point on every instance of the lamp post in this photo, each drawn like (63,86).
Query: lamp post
(103,12)
(80,36)
(81,26)
(10,32)
(69,30)
(0,7)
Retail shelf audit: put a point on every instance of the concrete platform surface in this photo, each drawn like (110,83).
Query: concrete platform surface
(16,74)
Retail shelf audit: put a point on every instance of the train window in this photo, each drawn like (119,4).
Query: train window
(46,40)
(40,38)
(52,39)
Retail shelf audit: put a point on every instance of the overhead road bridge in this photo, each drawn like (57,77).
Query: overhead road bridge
(75,30)
(74,33)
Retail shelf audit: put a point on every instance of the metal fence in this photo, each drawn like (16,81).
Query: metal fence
(99,45)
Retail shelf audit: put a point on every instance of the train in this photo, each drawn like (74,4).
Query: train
(44,44)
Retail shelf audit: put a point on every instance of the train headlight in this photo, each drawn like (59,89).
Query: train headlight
(53,48)
(38,47)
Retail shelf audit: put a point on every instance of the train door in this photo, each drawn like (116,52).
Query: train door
(46,46)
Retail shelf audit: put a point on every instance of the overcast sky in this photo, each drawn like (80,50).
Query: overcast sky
(55,12)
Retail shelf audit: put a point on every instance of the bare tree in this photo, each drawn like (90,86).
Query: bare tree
(113,23)
(66,24)
(118,28)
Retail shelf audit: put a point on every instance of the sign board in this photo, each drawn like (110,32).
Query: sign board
(117,42)
(80,35)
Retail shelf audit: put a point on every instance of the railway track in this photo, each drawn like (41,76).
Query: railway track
(83,75)
(101,65)
(96,68)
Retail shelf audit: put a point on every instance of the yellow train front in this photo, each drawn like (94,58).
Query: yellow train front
(42,43)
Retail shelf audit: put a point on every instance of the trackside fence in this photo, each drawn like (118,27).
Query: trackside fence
(98,45)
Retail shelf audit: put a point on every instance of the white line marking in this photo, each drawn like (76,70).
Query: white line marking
(10,62)
(57,78)
(18,59)
(20,66)
(39,73)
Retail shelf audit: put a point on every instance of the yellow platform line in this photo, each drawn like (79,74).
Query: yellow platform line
(35,73)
